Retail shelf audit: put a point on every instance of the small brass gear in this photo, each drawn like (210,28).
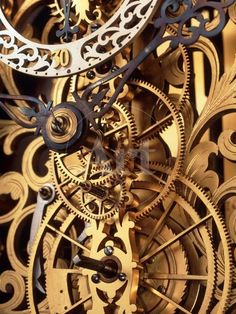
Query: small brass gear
(71,167)
(93,201)
(101,203)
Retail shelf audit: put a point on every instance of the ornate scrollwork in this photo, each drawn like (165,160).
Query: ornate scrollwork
(117,183)
(41,56)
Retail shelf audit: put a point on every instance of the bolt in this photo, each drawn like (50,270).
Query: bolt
(95,26)
(122,276)
(45,192)
(59,125)
(108,250)
(161,289)
(95,278)
(90,74)
(114,68)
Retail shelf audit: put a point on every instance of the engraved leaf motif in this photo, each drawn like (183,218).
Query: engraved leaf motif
(197,163)
(81,7)
(221,102)
(15,184)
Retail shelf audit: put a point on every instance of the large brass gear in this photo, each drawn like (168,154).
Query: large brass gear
(165,275)
(96,167)
(171,117)
(174,260)
(188,188)
(124,126)
(61,173)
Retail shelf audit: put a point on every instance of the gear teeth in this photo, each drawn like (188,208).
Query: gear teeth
(103,180)
(32,256)
(104,216)
(187,63)
(211,302)
(177,169)
(222,229)
(112,175)
(199,191)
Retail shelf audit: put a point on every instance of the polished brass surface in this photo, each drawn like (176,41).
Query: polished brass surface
(117,177)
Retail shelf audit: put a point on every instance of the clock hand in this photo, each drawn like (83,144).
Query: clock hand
(66,32)
(61,126)
(38,107)
(45,196)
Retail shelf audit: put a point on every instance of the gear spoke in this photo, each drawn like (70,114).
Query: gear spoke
(176,238)
(174,276)
(153,128)
(164,297)
(156,229)
(115,130)
(79,303)
(68,238)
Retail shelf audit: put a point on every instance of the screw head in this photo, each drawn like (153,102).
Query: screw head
(45,192)
(161,289)
(95,278)
(90,74)
(122,276)
(95,27)
(114,68)
(108,250)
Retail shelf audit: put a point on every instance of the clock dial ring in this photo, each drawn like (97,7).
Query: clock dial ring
(75,57)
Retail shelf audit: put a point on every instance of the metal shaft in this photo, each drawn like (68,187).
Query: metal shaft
(93,264)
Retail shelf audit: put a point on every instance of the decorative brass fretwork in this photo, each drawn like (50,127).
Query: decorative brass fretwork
(117,160)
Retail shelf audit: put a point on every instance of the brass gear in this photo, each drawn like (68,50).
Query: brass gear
(173,116)
(102,206)
(81,158)
(172,261)
(157,276)
(93,201)
(225,240)
(186,187)
(119,131)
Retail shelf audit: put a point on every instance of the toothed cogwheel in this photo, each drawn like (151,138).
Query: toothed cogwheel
(108,153)
(167,274)
(156,131)
(209,215)
(95,202)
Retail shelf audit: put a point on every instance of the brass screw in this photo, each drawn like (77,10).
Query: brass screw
(45,192)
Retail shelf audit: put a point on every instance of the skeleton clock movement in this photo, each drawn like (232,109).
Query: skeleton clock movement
(117,158)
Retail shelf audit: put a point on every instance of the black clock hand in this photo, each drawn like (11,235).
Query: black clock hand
(62,127)
(66,32)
